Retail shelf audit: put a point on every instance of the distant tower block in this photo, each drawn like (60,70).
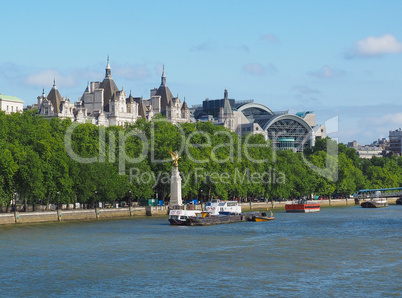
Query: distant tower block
(175,188)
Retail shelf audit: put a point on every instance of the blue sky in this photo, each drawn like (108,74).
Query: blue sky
(336,58)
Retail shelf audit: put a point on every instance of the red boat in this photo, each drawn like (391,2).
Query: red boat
(302,206)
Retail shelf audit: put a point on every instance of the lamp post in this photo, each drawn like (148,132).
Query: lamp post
(129,198)
(329,196)
(96,193)
(15,201)
(57,200)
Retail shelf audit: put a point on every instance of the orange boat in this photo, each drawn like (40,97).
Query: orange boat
(303,206)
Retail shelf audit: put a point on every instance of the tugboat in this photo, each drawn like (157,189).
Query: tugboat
(263,217)
(375,203)
(302,206)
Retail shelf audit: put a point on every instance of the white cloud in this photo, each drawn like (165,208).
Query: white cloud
(326,72)
(389,119)
(75,77)
(375,46)
(363,123)
(137,71)
(258,69)
(45,77)
(70,79)
(270,38)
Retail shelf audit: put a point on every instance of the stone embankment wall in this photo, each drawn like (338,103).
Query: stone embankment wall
(95,214)
(79,214)
(323,203)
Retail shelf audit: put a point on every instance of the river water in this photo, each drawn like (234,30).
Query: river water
(337,252)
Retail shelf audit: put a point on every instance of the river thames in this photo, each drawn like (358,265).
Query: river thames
(337,252)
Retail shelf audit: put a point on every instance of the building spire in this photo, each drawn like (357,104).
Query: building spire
(227,109)
(163,78)
(54,83)
(108,68)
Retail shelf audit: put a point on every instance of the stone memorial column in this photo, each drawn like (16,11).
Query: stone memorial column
(175,188)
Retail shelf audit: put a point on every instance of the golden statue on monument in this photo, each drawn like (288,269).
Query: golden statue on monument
(175,158)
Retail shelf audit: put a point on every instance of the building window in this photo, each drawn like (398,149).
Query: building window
(286,143)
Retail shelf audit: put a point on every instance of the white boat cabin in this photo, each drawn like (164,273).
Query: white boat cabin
(216,206)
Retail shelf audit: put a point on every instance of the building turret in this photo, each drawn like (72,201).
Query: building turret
(185,111)
(109,87)
(41,98)
(164,92)
(55,98)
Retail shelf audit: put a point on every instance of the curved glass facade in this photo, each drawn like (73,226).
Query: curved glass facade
(289,134)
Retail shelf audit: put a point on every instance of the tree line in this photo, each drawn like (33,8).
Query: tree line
(45,161)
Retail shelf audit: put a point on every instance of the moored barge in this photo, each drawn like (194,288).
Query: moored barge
(375,203)
(302,206)
(216,212)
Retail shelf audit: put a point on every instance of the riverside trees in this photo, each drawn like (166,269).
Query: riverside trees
(101,164)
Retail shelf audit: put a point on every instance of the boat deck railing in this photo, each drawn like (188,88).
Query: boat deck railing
(187,207)
(302,202)
(382,195)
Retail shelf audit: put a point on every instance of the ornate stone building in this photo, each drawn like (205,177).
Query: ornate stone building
(102,103)
(54,105)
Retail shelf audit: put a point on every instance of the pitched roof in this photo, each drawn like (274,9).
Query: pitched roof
(130,99)
(109,88)
(227,109)
(10,98)
(165,94)
(184,106)
(55,98)
(141,110)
